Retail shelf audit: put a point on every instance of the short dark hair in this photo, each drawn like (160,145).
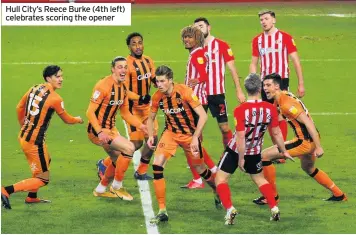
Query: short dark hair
(277,79)
(263,12)
(202,19)
(131,35)
(164,70)
(253,84)
(50,70)
(116,59)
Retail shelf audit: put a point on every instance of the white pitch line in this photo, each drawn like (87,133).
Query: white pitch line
(313,114)
(332,114)
(157,61)
(145,193)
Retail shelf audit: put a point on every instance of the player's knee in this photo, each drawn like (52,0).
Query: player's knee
(308,167)
(224,127)
(206,174)
(220,178)
(44,177)
(130,149)
(157,172)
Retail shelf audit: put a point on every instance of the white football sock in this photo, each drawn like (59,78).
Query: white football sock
(214,169)
(100,188)
(199,181)
(116,184)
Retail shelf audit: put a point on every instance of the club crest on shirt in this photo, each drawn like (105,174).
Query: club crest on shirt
(96,95)
(293,110)
(179,101)
(200,60)
(229,51)
(279,41)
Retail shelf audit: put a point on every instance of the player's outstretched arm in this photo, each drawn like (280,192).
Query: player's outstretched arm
(131,119)
(298,69)
(69,119)
(303,118)
(241,145)
(278,139)
(150,127)
(21,109)
(253,64)
(234,74)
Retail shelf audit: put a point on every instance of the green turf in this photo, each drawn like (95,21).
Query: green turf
(329,85)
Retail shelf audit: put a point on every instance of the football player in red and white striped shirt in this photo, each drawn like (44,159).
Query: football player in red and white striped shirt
(219,54)
(274,47)
(244,149)
(196,77)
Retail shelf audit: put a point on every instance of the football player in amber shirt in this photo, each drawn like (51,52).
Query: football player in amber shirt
(139,79)
(185,119)
(305,145)
(110,95)
(34,113)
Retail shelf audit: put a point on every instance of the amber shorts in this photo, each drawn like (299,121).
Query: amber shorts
(298,147)
(37,156)
(113,133)
(142,114)
(170,141)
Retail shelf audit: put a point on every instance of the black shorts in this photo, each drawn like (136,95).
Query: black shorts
(284,87)
(229,162)
(217,106)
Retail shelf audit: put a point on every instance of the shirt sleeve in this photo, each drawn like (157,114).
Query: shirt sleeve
(227,52)
(290,44)
(154,103)
(191,98)
(291,108)
(200,63)
(58,105)
(255,51)
(98,94)
(239,119)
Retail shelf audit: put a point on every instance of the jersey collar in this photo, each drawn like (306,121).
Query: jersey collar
(254,101)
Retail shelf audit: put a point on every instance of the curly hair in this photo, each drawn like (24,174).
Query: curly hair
(194,32)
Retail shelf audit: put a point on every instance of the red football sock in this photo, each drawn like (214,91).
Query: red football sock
(224,193)
(195,174)
(207,159)
(267,192)
(270,175)
(109,174)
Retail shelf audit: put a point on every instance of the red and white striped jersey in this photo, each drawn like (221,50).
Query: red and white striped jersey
(253,117)
(196,69)
(273,50)
(219,53)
